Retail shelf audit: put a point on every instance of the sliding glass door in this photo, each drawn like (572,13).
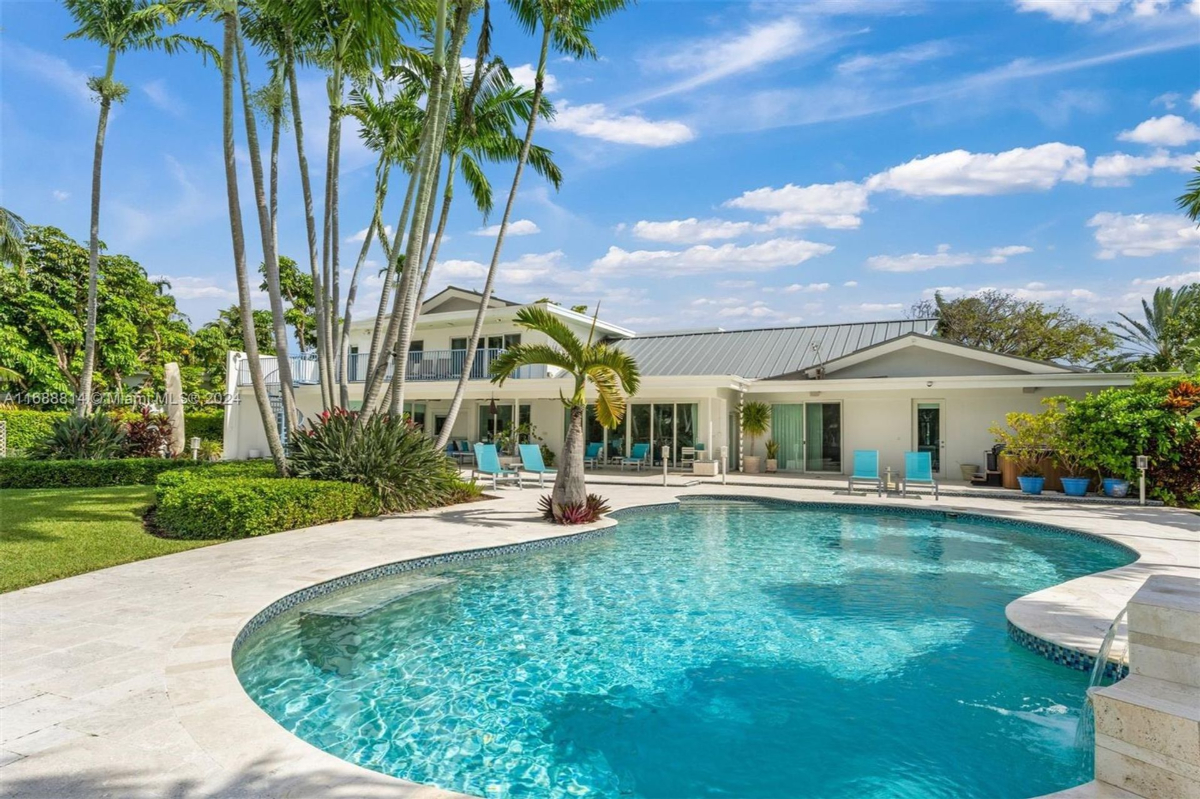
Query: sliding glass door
(809,436)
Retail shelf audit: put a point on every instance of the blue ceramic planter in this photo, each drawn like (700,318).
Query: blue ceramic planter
(1075,486)
(1116,487)
(1032,485)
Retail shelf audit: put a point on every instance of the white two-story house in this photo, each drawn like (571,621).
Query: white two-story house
(888,386)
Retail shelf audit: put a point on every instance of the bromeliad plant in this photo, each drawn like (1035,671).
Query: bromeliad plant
(589,511)
(611,372)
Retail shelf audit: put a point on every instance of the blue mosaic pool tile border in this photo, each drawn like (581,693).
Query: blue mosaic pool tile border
(1051,651)
(1063,656)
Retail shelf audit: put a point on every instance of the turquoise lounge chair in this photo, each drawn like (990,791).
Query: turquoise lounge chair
(637,457)
(591,456)
(487,463)
(866,469)
(918,469)
(531,461)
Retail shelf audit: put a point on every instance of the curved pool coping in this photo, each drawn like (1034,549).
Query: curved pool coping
(125,677)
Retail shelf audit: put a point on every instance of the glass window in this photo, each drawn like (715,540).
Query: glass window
(593,432)
(511,340)
(823,436)
(639,421)
(491,426)
(458,343)
(685,428)
(616,439)
(416,411)
(664,429)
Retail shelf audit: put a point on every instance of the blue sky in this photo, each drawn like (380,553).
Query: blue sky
(726,164)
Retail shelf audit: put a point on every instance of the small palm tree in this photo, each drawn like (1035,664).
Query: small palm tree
(756,421)
(1152,341)
(118,26)
(609,370)
(1189,201)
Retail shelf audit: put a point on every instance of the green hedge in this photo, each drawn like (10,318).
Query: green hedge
(23,473)
(210,503)
(27,427)
(208,423)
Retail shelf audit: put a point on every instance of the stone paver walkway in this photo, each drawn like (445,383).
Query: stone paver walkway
(120,682)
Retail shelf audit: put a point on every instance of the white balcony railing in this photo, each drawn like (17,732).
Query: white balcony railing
(427,365)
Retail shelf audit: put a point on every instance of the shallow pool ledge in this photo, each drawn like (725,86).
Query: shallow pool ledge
(1148,724)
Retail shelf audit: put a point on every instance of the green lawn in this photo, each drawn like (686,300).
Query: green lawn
(47,534)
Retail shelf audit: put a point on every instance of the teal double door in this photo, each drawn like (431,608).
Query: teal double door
(809,435)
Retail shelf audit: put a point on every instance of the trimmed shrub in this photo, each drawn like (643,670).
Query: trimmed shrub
(208,423)
(97,436)
(25,473)
(27,428)
(390,456)
(201,504)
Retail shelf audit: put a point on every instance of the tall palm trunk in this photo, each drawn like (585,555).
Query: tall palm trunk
(389,276)
(430,156)
(461,389)
(330,248)
(83,398)
(310,220)
(447,198)
(381,187)
(569,486)
(270,255)
(239,246)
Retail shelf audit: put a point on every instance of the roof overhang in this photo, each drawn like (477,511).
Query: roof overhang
(933,344)
(1032,382)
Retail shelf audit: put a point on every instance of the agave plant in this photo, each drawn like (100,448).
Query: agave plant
(389,454)
(96,436)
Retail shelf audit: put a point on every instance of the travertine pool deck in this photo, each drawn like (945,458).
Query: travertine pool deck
(120,682)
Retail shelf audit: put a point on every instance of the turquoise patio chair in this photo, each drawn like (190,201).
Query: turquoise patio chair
(866,469)
(531,461)
(487,463)
(591,456)
(637,457)
(918,469)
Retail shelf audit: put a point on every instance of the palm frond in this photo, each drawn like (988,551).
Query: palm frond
(538,318)
(510,360)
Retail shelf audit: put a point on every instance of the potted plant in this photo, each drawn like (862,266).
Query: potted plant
(1026,440)
(756,420)
(1068,451)
(772,455)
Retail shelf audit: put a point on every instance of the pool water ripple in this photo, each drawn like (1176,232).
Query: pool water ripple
(724,649)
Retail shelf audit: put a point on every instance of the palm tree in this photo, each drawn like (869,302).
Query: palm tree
(229,16)
(1189,201)
(12,238)
(609,371)
(566,24)
(118,26)
(1156,342)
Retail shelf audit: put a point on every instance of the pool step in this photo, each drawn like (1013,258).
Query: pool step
(369,598)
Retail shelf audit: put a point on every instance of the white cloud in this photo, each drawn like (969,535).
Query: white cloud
(60,195)
(943,258)
(873,307)
(362,234)
(1142,235)
(755,310)
(850,284)
(1167,100)
(50,70)
(706,259)
(810,288)
(1169,131)
(737,284)
(964,173)
(524,75)
(595,121)
(162,98)
(531,268)
(186,287)
(896,59)
(1038,292)
(1195,101)
(690,231)
(1172,281)
(1117,168)
(1071,10)
(519,227)
(829,205)
(718,57)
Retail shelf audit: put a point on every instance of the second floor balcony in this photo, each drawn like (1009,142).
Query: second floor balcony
(424,365)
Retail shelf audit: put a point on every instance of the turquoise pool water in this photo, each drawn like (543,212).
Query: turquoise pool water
(733,649)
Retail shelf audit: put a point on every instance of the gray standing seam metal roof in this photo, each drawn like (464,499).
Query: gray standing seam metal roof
(757,354)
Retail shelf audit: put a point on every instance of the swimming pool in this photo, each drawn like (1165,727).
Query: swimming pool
(724,648)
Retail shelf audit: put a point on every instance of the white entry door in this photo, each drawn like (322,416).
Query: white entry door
(929,431)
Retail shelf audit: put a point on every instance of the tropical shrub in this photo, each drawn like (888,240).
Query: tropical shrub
(207,423)
(1151,417)
(200,505)
(26,473)
(574,513)
(390,456)
(1028,440)
(93,437)
(147,435)
(27,427)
